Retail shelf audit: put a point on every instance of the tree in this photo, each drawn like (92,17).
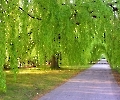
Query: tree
(67,33)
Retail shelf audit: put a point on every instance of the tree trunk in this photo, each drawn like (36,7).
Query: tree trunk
(54,63)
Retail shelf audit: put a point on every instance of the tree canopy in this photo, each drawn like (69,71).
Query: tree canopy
(78,31)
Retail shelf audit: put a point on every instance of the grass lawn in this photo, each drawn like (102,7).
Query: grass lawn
(33,83)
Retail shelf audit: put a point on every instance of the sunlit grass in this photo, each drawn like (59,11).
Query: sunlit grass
(32,83)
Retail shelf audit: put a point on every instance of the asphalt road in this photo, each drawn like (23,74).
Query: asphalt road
(96,83)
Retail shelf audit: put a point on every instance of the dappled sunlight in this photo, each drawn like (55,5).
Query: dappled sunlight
(35,71)
(29,72)
(89,91)
(93,81)
(26,85)
(47,70)
(32,81)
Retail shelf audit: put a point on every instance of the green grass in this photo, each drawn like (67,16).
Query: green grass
(33,83)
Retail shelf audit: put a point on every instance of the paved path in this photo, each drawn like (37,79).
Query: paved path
(96,83)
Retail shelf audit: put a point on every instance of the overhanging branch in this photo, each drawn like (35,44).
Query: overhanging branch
(29,14)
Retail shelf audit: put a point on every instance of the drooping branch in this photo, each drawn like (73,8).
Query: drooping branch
(113,7)
(29,14)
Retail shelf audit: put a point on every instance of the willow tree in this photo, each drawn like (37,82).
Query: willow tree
(2,49)
(112,36)
(101,14)
(69,32)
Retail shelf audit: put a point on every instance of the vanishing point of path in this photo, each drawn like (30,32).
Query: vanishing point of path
(96,83)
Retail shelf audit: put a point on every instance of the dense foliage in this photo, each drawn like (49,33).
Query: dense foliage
(75,31)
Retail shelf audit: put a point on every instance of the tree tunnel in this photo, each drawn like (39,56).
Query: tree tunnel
(67,32)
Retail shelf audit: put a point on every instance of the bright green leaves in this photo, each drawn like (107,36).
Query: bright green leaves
(2,59)
(36,30)
(2,47)
(113,50)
